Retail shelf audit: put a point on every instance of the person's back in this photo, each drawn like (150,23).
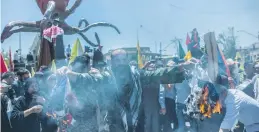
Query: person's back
(242,107)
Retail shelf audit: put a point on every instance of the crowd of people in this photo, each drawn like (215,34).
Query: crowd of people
(121,97)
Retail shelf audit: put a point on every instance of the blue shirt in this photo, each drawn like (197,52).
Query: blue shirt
(165,93)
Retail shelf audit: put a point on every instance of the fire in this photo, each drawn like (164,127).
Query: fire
(205,108)
(208,113)
(217,108)
(51,115)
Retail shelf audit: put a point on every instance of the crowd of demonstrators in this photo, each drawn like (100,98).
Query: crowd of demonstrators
(7,100)
(121,97)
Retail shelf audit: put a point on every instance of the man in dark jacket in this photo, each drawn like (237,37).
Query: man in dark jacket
(18,85)
(7,99)
(27,112)
(84,85)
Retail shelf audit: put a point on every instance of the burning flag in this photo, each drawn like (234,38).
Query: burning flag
(209,102)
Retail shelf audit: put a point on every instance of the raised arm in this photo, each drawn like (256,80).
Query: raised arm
(93,77)
(166,75)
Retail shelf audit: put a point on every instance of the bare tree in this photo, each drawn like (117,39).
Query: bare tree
(228,40)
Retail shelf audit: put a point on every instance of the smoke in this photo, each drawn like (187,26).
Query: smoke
(193,100)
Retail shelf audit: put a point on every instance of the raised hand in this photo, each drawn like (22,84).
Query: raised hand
(36,109)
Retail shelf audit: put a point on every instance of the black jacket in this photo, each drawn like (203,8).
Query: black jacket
(33,122)
(5,124)
(18,86)
(20,123)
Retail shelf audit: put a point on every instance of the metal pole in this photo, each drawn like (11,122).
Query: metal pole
(155,47)
(177,45)
(20,45)
(160,51)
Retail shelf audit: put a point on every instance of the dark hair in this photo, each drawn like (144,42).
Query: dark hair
(98,59)
(84,59)
(22,71)
(7,75)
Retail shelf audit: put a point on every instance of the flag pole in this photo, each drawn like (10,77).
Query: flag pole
(20,45)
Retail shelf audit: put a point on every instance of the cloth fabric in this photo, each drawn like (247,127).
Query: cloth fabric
(183,90)
(29,57)
(151,105)
(6,125)
(166,93)
(252,128)
(68,50)
(85,113)
(241,107)
(256,89)
(170,116)
(51,33)
(47,53)
(20,123)
(16,56)
(181,119)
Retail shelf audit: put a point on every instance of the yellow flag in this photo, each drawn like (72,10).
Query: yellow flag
(32,71)
(77,50)
(188,56)
(238,56)
(53,66)
(140,62)
(242,67)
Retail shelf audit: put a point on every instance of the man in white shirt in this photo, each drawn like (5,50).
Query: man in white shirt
(16,57)
(239,107)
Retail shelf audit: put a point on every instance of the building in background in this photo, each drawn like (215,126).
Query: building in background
(146,53)
(251,52)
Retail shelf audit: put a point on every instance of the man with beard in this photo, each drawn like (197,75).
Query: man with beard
(129,82)
(23,74)
(27,112)
(84,84)
(7,99)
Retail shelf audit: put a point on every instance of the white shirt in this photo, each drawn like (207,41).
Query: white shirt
(256,89)
(16,56)
(240,107)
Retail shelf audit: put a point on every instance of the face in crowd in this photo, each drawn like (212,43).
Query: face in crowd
(31,86)
(120,66)
(81,64)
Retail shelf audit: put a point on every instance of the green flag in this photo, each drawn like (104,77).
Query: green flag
(181,51)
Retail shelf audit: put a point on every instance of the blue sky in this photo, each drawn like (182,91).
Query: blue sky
(162,20)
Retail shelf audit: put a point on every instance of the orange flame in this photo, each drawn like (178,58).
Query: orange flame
(205,108)
(217,108)
(208,113)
